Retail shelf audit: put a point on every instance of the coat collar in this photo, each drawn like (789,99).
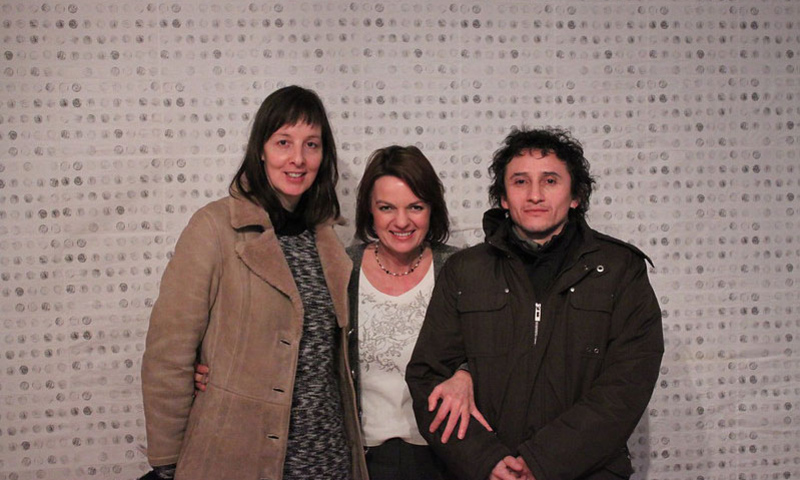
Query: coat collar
(262,254)
(245,213)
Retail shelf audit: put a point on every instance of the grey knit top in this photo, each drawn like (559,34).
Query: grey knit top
(317,444)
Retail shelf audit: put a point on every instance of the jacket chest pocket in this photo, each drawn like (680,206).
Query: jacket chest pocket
(486,323)
(590,321)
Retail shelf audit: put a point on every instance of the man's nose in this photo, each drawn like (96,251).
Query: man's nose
(535,194)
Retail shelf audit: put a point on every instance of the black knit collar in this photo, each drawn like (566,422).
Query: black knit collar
(291,223)
(557,243)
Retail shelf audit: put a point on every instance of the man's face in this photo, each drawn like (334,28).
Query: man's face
(538,195)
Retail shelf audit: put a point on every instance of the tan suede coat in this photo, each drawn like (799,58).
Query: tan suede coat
(228,294)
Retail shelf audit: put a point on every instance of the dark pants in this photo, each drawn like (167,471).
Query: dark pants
(395,459)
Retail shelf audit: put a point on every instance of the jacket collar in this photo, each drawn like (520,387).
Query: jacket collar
(497,227)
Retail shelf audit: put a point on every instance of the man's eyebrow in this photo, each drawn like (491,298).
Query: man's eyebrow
(554,174)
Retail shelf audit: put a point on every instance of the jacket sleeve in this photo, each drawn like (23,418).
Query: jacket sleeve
(438,353)
(177,325)
(595,430)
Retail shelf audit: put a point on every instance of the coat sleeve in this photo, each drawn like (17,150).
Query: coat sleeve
(592,432)
(438,353)
(177,325)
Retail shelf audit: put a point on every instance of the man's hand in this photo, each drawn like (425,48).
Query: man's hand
(458,402)
(511,468)
(200,377)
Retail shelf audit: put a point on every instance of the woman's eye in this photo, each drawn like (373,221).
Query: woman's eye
(283,143)
(314,145)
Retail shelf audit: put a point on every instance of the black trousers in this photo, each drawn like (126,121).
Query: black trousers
(395,459)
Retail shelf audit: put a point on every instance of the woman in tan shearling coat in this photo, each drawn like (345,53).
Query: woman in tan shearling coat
(257,288)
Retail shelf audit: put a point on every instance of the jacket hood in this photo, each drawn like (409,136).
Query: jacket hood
(492,220)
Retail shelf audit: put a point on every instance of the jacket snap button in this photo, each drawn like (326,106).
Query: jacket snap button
(506,290)
(572,289)
(596,350)
(600,269)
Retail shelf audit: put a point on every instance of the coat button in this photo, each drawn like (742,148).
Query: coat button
(600,269)
(507,290)
(572,289)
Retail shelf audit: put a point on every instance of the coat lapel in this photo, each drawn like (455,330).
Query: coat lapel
(262,253)
(336,266)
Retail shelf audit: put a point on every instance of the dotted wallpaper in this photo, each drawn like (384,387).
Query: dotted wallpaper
(120,118)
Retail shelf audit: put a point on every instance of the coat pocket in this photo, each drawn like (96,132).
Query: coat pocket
(235,437)
(486,323)
(591,322)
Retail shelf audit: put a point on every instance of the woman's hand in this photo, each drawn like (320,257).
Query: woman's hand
(200,377)
(458,403)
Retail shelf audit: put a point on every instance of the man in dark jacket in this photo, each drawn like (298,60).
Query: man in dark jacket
(557,323)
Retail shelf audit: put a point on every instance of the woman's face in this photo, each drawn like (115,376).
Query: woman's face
(292,156)
(400,218)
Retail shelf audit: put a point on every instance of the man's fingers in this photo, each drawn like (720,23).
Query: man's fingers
(514,464)
(501,471)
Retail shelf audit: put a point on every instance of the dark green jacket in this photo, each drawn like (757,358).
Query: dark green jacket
(566,401)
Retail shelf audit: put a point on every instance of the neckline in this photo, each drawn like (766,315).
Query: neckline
(363,277)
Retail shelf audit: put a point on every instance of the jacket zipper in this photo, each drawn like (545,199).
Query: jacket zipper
(537,317)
